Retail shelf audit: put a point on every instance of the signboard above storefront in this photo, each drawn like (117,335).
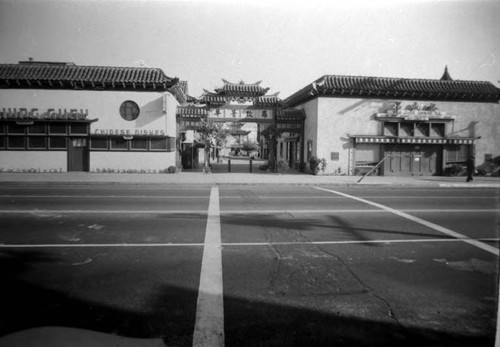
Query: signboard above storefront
(143,132)
(47,114)
(414,112)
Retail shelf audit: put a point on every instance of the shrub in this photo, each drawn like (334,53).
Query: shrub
(172,169)
(454,170)
(317,165)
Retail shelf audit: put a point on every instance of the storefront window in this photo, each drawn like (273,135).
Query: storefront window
(37,142)
(437,130)
(78,128)
(57,142)
(118,143)
(57,128)
(37,128)
(422,129)
(13,128)
(158,143)
(16,142)
(391,129)
(99,143)
(406,129)
(139,143)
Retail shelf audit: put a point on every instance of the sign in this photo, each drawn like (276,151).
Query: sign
(414,112)
(155,132)
(36,114)
(240,113)
(334,156)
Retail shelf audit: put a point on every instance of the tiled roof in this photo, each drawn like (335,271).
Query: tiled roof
(241,89)
(191,111)
(267,100)
(290,115)
(38,75)
(396,88)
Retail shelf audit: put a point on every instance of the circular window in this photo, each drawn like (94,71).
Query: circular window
(129,110)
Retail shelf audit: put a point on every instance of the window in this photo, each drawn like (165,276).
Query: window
(37,142)
(309,149)
(158,143)
(57,128)
(16,142)
(129,110)
(437,130)
(13,128)
(2,128)
(456,153)
(78,128)
(406,129)
(57,142)
(391,129)
(422,129)
(37,128)
(139,143)
(119,143)
(99,143)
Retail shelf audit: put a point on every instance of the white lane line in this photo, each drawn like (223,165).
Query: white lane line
(298,243)
(41,212)
(436,227)
(209,324)
(97,245)
(152,197)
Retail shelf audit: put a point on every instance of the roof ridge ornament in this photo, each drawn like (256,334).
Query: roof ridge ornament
(446,75)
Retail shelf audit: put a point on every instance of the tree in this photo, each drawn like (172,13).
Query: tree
(211,135)
(250,146)
(271,134)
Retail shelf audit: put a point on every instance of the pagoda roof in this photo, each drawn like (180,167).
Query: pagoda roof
(396,88)
(241,89)
(54,75)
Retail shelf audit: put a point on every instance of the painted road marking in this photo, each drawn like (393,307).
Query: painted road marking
(436,227)
(104,196)
(292,243)
(41,212)
(209,324)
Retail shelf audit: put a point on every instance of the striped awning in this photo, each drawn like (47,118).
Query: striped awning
(411,140)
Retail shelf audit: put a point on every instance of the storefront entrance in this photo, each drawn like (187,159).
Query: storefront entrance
(78,154)
(413,160)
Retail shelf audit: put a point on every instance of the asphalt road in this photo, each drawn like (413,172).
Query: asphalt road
(297,266)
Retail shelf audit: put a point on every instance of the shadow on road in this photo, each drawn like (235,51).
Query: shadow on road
(171,314)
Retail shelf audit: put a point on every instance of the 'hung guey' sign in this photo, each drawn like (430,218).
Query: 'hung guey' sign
(24,113)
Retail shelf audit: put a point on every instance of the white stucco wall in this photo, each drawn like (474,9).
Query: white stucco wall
(131,160)
(37,160)
(330,120)
(103,105)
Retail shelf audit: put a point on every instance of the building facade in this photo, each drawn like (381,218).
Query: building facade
(414,126)
(58,117)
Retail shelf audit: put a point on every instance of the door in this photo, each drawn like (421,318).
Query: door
(413,160)
(78,154)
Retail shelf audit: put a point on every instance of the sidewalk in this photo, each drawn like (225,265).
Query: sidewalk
(257,178)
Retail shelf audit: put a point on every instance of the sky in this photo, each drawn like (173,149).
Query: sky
(284,44)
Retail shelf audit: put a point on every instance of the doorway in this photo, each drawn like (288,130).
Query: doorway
(413,160)
(78,154)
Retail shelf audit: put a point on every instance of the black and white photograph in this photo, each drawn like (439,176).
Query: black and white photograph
(215,173)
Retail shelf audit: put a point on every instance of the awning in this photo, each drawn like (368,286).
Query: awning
(413,140)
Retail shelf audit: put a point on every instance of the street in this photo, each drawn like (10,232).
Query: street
(252,266)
